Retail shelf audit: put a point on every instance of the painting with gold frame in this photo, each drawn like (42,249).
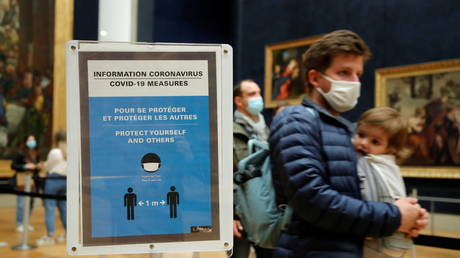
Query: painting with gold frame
(285,80)
(428,95)
(32,73)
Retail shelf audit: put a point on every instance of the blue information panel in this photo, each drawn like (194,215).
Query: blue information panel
(150,168)
(149,148)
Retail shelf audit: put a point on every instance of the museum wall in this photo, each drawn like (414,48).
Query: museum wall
(398,32)
(86,19)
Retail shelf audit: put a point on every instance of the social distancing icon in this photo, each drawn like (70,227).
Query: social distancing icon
(172,201)
(130,201)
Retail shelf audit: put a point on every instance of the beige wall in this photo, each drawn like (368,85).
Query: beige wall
(63,32)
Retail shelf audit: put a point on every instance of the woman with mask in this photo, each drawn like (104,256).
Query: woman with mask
(55,184)
(27,160)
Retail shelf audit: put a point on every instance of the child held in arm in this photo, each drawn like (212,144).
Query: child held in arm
(380,139)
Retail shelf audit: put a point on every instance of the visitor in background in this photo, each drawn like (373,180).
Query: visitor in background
(55,184)
(27,160)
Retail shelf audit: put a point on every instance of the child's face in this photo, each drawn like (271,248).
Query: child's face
(371,139)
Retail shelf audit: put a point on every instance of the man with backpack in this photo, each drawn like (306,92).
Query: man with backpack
(248,123)
(314,163)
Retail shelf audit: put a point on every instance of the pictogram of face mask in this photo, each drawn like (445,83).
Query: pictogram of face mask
(343,95)
(151,167)
(255,105)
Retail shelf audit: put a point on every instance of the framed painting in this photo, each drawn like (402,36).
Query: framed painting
(32,73)
(428,95)
(285,76)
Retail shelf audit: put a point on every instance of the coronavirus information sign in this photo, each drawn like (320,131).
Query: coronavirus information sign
(149,128)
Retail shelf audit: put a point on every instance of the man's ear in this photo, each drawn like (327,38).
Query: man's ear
(238,101)
(313,77)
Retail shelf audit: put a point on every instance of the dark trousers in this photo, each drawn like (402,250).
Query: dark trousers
(242,245)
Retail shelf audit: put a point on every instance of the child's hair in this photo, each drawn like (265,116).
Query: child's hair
(394,124)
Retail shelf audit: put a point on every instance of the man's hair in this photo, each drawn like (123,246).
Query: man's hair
(237,87)
(392,123)
(320,53)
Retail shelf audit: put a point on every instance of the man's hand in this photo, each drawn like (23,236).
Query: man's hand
(420,223)
(410,212)
(237,229)
(413,217)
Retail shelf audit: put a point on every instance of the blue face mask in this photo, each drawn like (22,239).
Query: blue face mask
(31,144)
(255,105)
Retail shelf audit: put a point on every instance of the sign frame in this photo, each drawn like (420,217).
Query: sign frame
(79,55)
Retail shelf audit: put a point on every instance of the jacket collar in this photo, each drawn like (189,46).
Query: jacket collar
(323,112)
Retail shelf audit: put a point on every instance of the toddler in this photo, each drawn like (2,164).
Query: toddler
(380,139)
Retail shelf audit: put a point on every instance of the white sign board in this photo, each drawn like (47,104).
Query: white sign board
(149,139)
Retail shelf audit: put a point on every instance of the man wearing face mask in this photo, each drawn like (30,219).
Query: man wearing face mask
(314,165)
(247,122)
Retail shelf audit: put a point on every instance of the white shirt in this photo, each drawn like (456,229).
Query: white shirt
(385,165)
(55,163)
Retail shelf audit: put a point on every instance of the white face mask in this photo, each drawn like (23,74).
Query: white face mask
(343,95)
(151,167)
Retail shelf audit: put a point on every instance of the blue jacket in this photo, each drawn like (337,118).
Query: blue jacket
(314,170)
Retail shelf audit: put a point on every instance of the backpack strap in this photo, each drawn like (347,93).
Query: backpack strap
(258,151)
(241,177)
(311,111)
(251,142)
(316,115)
(255,144)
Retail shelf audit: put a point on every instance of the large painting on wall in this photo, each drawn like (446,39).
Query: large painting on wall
(26,73)
(33,35)
(429,96)
(285,80)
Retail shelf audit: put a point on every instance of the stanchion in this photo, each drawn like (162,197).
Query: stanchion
(25,219)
